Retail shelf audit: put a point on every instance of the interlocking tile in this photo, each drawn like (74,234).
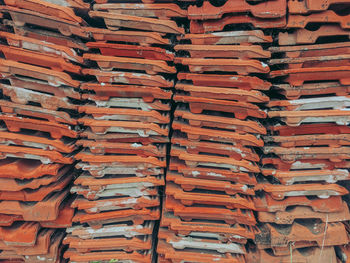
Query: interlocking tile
(304,36)
(303,212)
(240,66)
(27,17)
(279,192)
(303,234)
(46,8)
(332,140)
(196,255)
(45,210)
(227,37)
(20,234)
(141,37)
(224,51)
(163,11)
(236,152)
(44,47)
(219,24)
(106,92)
(309,255)
(228,81)
(25,96)
(11,68)
(225,123)
(211,173)
(52,61)
(128,78)
(136,216)
(135,256)
(208,11)
(308,6)
(241,110)
(112,230)
(182,242)
(218,231)
(198,160)
(311,129)
(223,93)
(211,213)
(114,21)
(150,66)
(291,177)
(197,197)
(328,16)
(266,203)
(132,51)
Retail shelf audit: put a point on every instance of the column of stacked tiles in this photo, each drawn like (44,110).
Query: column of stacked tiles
(208,210)
(307,149)
(126,132)
(40,69)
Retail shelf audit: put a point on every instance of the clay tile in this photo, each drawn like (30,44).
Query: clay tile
(36,112)
(210,213)
(136,216)
(279,192)
(144,10)
(190,198)
(196,255)
(236,152)
(45,210)
(208,11)
(297,76)
(224,51)
(151,67)
(105,92)
(301,235)
(20,234)
(27,169)
(195,160)
(64,26)
(46,8)
(181,242)
(111,204)
(211,173)
(241,110)
(131,51)
(141,37)
(114,22)
(267,203)
(50,37)
(242,67)
(303,7)
(39,194)
(226,38)
(205,26)
(210,121)
(107,256)
(45,89)
(128,78)
(304,36)
(24,96)
(52,61)
(56,130)
(64,218)
(112,230)
(41,46)
(303,212)
(219,231)
(55,78)
(328,16)
(227,81)
(311,129)
(223,93)
(189,184)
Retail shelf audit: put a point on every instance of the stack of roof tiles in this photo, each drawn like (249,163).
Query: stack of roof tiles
(307,149)
(208,210)
(39,68)
(126,132)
